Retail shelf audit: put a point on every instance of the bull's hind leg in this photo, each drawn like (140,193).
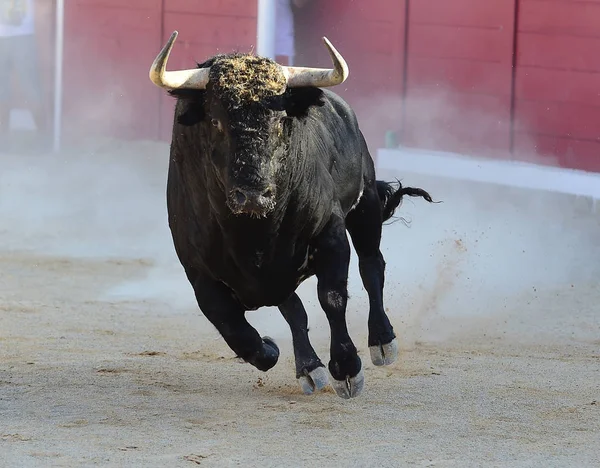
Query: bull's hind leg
(310,372)
(364,225)
(331,261)
(219,306)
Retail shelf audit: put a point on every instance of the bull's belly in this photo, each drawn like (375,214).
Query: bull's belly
(268,285)
(268,290)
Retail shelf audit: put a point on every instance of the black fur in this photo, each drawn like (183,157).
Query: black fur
(307,147)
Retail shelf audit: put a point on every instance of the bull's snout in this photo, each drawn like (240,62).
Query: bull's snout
(258,202)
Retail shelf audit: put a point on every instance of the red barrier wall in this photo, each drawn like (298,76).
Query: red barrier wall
(370,36)
(503,78)
(108,46)
(557,86)
(458,84)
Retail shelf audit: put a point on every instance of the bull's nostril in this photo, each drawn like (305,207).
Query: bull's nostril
(268,193)
(240,197)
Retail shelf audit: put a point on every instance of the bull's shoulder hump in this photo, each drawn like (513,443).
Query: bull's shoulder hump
(337,105)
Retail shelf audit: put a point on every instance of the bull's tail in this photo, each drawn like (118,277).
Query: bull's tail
(391,197)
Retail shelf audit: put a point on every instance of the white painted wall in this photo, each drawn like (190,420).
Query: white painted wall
(509,173)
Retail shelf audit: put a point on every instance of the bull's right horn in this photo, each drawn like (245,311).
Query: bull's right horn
(196,78)
(320,77)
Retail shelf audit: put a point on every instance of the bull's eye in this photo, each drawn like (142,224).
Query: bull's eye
(216,123)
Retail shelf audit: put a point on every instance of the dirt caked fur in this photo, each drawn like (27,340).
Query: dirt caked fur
(243,79)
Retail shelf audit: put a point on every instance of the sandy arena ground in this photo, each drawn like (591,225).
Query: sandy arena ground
(105,359)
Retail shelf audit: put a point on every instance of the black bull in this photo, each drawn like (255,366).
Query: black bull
(264,180)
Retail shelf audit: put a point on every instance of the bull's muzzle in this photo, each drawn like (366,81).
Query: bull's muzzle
(253,202)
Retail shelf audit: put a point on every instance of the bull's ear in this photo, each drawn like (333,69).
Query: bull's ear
(190,107)
(298,101)
(191,113)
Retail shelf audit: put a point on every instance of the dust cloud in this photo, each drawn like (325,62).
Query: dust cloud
(488,252)
(469,256)
(105,355)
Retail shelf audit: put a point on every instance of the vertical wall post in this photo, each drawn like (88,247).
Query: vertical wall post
(513,97)
(403,114)
(265,29)
(58,72)
(158,91)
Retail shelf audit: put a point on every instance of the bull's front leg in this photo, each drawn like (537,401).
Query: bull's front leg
(332,259)
(217,303)
(310,372)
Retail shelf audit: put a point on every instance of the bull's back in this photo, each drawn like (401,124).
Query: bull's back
(346,156)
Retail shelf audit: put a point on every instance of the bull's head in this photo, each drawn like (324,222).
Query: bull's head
(243,114)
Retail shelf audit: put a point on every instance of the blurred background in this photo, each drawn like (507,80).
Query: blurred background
(493,106)
(508,79)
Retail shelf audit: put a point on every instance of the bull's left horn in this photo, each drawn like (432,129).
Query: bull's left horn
(320,77)
(196,78)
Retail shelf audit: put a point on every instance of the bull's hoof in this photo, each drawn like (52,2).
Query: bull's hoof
(350,387)
(384,355)
(315,380)
(268,357)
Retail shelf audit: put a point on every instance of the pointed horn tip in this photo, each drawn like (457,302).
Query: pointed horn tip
(171,39)
(328,43)
(332,49)
(154,74)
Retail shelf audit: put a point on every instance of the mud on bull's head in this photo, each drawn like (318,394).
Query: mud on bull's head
(243,112)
